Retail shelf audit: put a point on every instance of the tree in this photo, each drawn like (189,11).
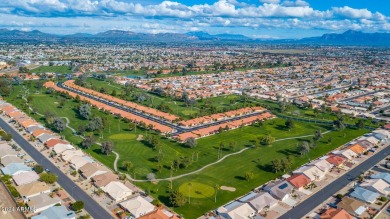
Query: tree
(289,124)
(127,165)
(49,117)
(266,140)
(177,199)
(106,147)
(77,205)
(304,148)
(249,176)
(96,123)
(38,169)
(48,178)
(339,124)
(360,124)
(85,111)
(5,86)
(276,165)
(77,99)
(88,142)
(59,125)
(191,142)
(317,135)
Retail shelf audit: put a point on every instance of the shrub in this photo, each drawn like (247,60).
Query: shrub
(339,196)
(78,205)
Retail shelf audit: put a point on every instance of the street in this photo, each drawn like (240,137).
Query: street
(317,199)
(91,206)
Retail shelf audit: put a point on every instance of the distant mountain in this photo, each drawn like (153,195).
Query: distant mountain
(220,37)
(350,37)
(120,36)
(25,35)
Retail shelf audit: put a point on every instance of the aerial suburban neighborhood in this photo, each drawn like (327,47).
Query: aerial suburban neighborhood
(219,109)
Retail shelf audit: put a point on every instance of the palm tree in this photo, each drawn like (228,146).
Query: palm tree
(216,187)
(189,192)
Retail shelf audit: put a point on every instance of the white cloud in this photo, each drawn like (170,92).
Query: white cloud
(95,15)
(352,13)
(270,1)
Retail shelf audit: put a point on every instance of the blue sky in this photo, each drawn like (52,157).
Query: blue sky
(253,18)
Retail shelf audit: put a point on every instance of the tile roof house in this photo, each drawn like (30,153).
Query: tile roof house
(352,206)
(25,178)
(333,213)
(383,176)
(42,202)
(103,179)
(137,206)
(313,172)
(33,189)
(15,169)
(56,212)
(53,142)
(280,189)
(90,170)
(32,129)
(357,149)
(236,210)
(159,214)
(299,180)
(364,195)
(376,185)
(336,160)
(117,191)
(263,200)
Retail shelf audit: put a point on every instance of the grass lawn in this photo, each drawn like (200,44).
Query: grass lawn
(55,69)
(230,172)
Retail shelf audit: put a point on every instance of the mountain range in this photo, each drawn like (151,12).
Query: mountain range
(349,37)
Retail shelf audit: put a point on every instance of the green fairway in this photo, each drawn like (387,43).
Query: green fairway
(55,69)
(159,160)
(196,190)
(122,137)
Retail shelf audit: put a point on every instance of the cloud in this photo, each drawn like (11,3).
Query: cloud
(352,13)
(270,1)
(174,16)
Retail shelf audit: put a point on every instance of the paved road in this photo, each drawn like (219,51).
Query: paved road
(179,129)
(318,198)
(91,206)
(379,110)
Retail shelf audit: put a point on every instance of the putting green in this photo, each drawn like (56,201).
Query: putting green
(122,137)
(188,112)
(196,190)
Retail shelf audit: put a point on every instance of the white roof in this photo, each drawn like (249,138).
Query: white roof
(372,139)
(348,153)
(137,206)
(240,211)
(117,190)
(262,200)
(322,164)
(25,178)
(79,161)
(383,132)
(59,148)
(313,172)
(68,154)
(376,185)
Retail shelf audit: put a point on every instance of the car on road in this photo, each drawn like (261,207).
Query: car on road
(47,170)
